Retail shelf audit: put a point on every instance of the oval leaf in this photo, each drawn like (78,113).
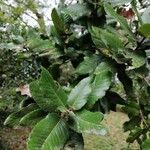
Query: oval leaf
(137,59)
(32,117)
(105,39)
(88,122)
(58,23)
(88,65)
(50,133)
(77,10)
(47,94)
(110,11)
(145,30)
(79,95)
(15,117)
(100,85)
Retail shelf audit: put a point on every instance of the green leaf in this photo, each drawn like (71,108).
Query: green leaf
(42,25)
(88,65)
(36,44)
(104,39)
(146,144)
(137,59)
(110,11)
(47,94)
(135,134)
(132,123)
(50,133)
(32,117)
(17,39)
(15,117)
(32,5)
(99,86)
(66,18)
(104,67)
(132,109)
(39,45)
(88,122)
(117,2)
(79,94)
(58,23)
(56,36)
(145,30)
(77,10)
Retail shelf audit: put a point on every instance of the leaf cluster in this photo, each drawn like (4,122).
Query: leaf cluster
(103,51)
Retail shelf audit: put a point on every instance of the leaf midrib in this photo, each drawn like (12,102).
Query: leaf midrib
(52,88)
(50,134)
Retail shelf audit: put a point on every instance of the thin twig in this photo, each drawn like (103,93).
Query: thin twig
(141,113)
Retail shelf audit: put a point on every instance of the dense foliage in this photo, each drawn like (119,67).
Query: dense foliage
(96,56)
